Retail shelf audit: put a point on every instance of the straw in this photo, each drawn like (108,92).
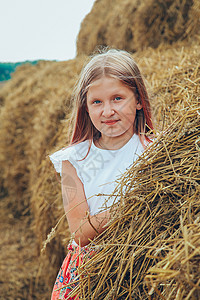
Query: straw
(138,23)
(154,234)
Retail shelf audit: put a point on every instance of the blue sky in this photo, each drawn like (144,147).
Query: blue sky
(40,29)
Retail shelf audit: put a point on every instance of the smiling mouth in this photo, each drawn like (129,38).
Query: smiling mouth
(110,122)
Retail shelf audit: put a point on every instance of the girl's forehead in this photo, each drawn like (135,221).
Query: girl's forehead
(107,85)
(105,80)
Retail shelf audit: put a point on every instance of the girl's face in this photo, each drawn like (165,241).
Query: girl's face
(112,108)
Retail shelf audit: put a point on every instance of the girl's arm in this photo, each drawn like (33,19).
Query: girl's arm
(83,225)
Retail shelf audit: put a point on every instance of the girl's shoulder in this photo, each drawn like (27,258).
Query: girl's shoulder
(71,153)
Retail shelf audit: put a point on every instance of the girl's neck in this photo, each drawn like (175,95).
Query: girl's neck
(110,143)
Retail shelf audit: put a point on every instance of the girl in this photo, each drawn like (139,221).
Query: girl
(111,121)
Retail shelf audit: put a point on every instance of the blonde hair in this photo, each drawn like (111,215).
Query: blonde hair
(118,64)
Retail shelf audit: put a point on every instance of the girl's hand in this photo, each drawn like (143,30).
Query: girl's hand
(84,226)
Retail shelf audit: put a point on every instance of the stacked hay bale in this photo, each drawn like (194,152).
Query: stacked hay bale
(135,25)
(35,101)
(34,104)
(173,75)
(179,271)
(155,223)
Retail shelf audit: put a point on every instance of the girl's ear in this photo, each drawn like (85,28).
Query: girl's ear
(138,105)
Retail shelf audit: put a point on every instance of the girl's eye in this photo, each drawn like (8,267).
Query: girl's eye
(118,98)
(96,101)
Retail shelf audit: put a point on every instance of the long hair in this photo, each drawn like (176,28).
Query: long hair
(120,65)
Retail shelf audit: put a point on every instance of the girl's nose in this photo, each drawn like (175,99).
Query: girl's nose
(108,110)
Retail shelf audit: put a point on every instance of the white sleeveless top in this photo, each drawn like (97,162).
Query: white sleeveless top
(99,170)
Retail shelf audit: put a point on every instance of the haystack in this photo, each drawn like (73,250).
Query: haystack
(154,225)
(34,104)
(179,271)
(136,24)
(35,101)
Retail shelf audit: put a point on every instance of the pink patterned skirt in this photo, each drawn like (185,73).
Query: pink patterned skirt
(67,277)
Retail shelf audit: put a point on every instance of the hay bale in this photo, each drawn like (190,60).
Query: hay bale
(35,100)
(19,261)
(35,103)
(47,208)
(135,25)
(178,273)
(173,75)
(159,203)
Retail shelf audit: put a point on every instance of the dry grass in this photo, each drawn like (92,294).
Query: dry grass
(35,101)
(135,24)
(155,226)
(173,73)
(19,260)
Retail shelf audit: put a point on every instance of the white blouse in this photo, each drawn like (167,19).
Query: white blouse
(99,170)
